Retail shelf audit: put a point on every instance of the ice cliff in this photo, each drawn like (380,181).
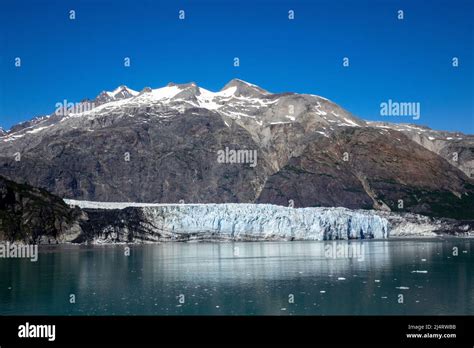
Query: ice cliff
(111,222)
(264,221)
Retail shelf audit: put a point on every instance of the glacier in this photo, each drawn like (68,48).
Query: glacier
(266,222)
(127,222)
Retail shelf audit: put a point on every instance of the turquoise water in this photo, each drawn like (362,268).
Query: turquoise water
(252,278)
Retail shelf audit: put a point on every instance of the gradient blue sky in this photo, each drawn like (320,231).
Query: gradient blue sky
(407,60)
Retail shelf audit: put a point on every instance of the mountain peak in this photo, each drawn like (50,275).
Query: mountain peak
(119,88)
(182,85)
(145,90)
(122,92)
(243,88)
(184,90)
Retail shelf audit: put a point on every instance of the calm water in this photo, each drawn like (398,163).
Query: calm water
(243,278)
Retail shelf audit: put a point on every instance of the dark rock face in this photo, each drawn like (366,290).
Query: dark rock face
(125,226)
(162,146)
(33,215)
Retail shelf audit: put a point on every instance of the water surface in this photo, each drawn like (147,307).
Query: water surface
(252,278)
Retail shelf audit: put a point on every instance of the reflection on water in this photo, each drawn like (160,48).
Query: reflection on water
(323,278)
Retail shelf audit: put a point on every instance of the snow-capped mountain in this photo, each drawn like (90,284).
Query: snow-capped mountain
(162,145)
(236,100)
(121,92)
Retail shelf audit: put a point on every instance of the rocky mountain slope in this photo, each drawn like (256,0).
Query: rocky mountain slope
(162,145)
(457,148)
(33,215)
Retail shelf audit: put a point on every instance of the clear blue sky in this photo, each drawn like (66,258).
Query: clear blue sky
(407,60)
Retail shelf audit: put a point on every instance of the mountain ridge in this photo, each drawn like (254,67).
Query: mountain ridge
(172,136)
